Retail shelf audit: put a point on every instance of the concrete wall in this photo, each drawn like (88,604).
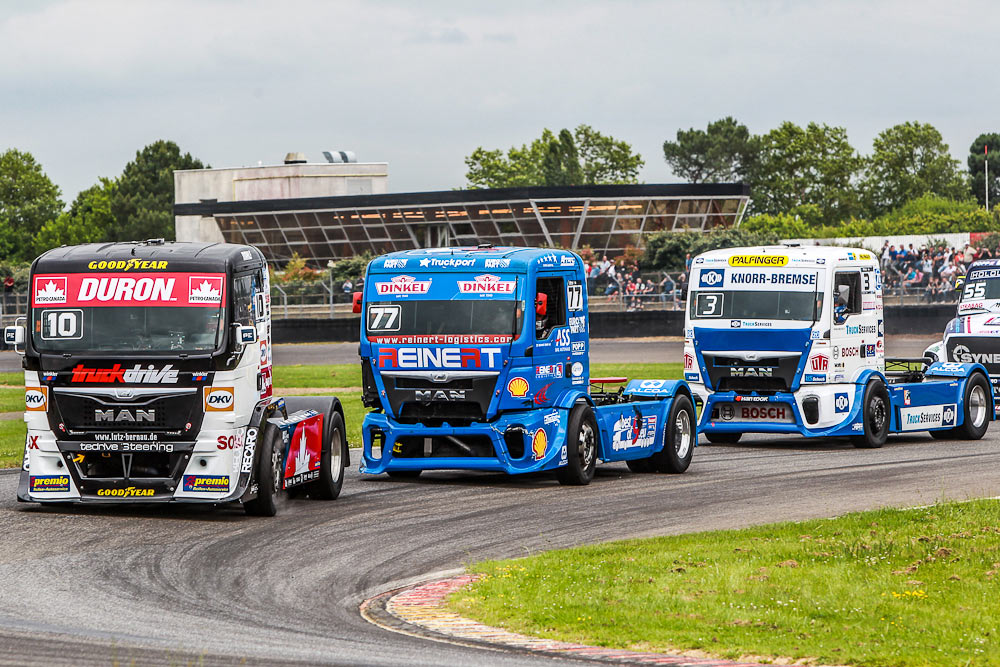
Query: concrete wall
(875,242)
(282,181)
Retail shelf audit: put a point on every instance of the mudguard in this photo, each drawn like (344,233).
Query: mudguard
(953,369)
(654,388)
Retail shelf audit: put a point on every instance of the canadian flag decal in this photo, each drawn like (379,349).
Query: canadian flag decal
(205,289)
(50,289)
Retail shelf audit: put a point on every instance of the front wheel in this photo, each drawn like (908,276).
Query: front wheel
(270,475)
(975,410)
(332,462)
(581,448)
(678,438)
(874,417)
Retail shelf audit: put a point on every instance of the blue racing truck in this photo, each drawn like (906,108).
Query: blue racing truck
(477,359)
(787,339)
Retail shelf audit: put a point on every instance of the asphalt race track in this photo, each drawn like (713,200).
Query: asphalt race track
(189,585)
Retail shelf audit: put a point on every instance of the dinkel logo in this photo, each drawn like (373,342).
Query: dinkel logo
(403,285)
(841,402)
(486,284)
(711,277)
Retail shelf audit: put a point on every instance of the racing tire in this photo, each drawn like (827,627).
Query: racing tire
(724,438)
(976,411)
(641,465)
(581,448)
(874,417)
(270,475)
(332,462)
(403,474)
(679,438)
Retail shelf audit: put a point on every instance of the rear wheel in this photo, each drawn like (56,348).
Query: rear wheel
(874,417)
(270,475)
(976,409)
(581,448)
(331,466)
(678,438)
(724,438)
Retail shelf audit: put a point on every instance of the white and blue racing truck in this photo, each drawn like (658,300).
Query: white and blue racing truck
(788,339)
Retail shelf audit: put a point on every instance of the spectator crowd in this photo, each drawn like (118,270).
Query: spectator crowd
(928,272)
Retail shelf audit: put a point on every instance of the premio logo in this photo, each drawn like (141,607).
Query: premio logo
(50,289)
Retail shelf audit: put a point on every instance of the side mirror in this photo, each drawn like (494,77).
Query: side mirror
(541,304)
(245,335)
(356,302)
(14,336)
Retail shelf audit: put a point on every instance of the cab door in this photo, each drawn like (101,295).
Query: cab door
(848,340)
(552,350)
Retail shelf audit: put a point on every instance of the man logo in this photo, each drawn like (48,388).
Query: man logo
(218,399)
(841,402)
(711,277)
(125,416)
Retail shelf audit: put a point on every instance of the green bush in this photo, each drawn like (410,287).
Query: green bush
(665,251)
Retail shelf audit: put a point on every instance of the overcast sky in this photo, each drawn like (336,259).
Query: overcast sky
(420,84)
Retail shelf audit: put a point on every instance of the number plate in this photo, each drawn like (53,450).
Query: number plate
(773,413)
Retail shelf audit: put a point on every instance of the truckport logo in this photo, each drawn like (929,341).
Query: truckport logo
(50,290)
(820,362)
(36,399)
(449,263)
(440,357)
(966,356)
(841,402)
(711,277)
(403,285)
(486,284)
(518,387)
(204,289)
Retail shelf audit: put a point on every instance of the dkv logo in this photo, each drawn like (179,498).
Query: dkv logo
(219,399)
(36,399)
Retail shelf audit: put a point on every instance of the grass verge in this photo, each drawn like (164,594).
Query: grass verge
(11,443)
(888,587)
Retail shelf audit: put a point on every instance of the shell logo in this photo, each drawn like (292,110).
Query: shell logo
(539,442)
(517,387)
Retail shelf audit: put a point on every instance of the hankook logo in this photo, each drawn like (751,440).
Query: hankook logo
(125,416)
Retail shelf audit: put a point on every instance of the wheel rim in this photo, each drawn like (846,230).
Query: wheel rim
(585,445)
(876,421)
(276,471)
(682,434)
(977,406)
(336,456)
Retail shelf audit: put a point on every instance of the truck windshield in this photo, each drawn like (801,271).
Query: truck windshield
(981,290)
(443,322)
(755,305)
(127,329)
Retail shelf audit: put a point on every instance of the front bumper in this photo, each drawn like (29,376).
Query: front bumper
(837,424)
(542,434)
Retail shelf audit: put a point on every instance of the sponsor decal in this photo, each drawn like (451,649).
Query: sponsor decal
(403,285)
(266,383)
(992,322)
(394,264)
(689,333)
(219,399)
(518,386)
(870,349)
(135,375)
(858,426)
(123,416)
(652,385)
(563,340)
(751,372)
(734,324)
(847,352)
(48,483)
(820,362)
(49,377)
(206,483)
(563,456)
(248,450)
(814,334)
(579,347)
(446,263)
(496,263)
(576,369)
(815,377)
(126,492)
(566,260)
(442,339)
(540,396)
(50,289)
(688,361)
(857,330)
(440,357)
(975,305)
(927,416)
(551,418)
(982,274)
(758,260)
(752,399)
(127,264)
(577,324)
(841,402)
(304,444)
(548,371)
(547,259)
(128,447)
(539,442)
(154,289)
(777,412)
(750,324)
(879,346)
(773,279)
(859,256)
(948,416)
(633,431)
(199,377)
(692,377)
(966,356)
(711,277)
(234,441)
(36,399)
(33,441)
(906,397)
(486,284)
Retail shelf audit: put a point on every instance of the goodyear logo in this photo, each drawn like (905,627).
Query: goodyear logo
(758,260)
(49,483)
(126,492)
(127,264)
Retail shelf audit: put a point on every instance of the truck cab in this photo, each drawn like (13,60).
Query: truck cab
(788,339)
(148,378)
(478,358)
